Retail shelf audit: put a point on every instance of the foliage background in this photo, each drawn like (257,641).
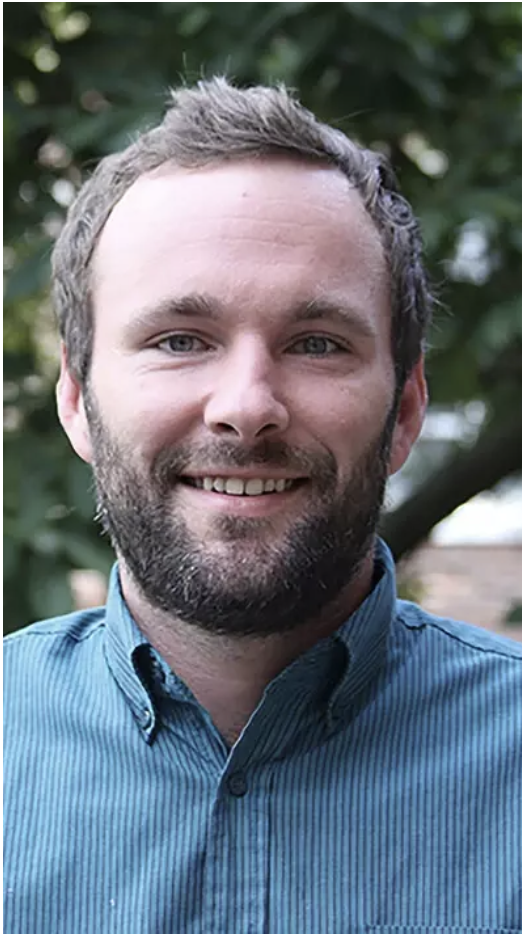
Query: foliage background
(437,86)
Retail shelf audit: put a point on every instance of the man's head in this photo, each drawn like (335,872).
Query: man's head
(242,304)
(212,124)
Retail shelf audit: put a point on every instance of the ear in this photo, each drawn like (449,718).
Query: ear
(71,410)
(410,417)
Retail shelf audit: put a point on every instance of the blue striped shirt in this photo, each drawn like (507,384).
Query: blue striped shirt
(376,789)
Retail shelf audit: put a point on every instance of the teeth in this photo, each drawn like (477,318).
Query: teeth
(254,486)
(238,487)
(234,486)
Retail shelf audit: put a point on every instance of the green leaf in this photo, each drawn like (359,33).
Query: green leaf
(30,275)
(514,615)
(51,593)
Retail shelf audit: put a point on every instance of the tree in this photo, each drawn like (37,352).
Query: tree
(438,87)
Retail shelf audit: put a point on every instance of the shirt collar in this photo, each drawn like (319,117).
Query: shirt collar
(334,672)
(365,635)
(129,658)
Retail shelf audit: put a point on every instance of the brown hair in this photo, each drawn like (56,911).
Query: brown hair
(214,122)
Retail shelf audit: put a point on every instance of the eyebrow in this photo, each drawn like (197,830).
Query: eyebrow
(193,305)
(157,317)
(201,305)
(334,311)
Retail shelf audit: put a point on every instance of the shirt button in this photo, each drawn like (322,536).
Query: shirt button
(147,719)
(237,784)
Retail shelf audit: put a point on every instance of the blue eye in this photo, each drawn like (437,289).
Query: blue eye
(315,346)
(183,344)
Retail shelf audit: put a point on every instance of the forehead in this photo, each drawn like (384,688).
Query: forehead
(239,230)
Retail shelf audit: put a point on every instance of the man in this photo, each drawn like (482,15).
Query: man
(254,736)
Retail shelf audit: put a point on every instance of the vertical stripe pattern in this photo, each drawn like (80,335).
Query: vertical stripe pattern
(377,788)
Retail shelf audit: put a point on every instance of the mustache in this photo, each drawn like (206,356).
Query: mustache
(175,461)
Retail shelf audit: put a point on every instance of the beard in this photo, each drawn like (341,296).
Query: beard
(246,579)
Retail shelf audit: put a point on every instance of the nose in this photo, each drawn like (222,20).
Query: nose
(244,403)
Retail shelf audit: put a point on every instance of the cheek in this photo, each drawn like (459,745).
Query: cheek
(344,420)
(148,411)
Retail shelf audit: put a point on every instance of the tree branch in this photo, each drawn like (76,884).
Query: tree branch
(496,454)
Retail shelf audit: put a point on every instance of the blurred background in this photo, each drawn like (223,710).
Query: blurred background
(437,87)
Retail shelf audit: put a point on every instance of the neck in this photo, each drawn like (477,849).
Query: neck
(228,675)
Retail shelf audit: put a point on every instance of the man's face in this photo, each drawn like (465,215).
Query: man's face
(240,410)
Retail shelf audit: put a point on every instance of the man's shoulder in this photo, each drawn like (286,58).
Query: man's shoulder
(54,634)
(453,672)
(447,631)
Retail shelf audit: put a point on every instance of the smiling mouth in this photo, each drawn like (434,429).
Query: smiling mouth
(239,487)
